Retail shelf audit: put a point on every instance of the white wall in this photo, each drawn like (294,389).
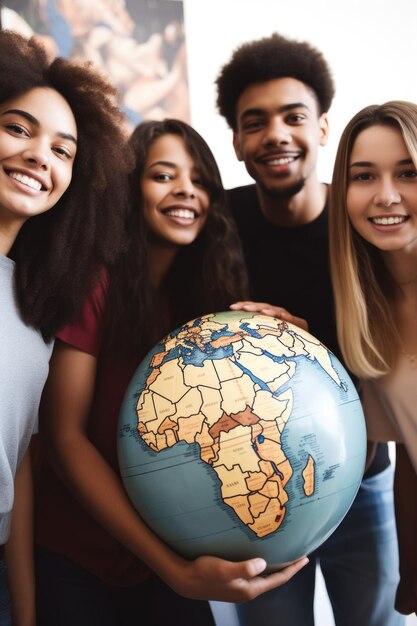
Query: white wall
(371,46)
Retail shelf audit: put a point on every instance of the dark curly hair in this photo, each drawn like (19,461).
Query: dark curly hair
(59,253)
(269,58)
(206,276)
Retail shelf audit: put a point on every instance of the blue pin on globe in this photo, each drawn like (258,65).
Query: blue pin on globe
(241,436)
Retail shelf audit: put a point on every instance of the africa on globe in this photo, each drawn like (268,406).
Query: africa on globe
(241,436)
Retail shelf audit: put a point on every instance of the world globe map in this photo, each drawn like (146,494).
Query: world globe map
(240,436)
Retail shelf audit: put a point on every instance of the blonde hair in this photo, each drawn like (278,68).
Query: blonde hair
(362,285)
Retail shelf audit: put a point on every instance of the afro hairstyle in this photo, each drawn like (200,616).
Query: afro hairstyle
(269,58)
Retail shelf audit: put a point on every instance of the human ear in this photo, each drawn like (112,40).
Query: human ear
(324,128)
(236,145)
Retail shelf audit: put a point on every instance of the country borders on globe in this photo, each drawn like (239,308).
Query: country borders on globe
(222,392)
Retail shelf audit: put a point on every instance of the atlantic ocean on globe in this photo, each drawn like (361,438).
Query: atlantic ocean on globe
(241,436)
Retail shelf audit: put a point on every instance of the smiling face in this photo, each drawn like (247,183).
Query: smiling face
(175,200)
(382,189)
(279,131)
(37,150)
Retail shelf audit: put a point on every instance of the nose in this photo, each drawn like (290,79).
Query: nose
(277,133)
(37,154)
(387,194)
(185,187)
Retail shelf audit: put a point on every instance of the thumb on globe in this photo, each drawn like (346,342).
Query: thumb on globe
(256,567)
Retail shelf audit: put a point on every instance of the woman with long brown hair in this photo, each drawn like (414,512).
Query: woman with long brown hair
(96,557)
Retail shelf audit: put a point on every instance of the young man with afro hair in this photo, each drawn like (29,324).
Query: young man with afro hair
(275,94)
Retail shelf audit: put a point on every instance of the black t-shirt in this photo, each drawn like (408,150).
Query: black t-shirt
(289,267)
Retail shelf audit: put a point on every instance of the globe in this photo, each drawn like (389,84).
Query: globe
(241,436)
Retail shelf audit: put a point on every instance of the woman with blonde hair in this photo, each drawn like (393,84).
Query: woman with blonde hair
(373,248)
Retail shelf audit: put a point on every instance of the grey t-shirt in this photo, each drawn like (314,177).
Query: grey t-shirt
(24,362)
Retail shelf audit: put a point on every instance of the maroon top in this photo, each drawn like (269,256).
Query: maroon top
(61,523)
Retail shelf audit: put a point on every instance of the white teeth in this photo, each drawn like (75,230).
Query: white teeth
(388,221)
(281,161)
(183,213)
(26,180)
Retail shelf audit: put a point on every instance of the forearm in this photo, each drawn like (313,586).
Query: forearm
(19,549)
(99,489)
(65,412)
(64,419)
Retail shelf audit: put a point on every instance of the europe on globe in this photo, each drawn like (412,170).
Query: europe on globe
(240,436)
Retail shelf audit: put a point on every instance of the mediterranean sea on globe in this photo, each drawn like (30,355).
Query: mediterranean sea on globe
(241,436)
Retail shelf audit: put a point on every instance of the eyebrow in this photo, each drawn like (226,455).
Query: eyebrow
(163,163)
(282,109)
(370,164)
(35,122)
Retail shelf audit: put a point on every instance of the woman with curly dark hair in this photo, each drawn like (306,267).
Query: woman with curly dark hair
(61,220)
(95,555)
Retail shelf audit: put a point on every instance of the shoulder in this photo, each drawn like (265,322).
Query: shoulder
(16,332)
(245,194)
(243,202)
(7,269)
(85,332)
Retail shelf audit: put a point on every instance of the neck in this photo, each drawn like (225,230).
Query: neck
(8,234)
(402,267)
(297,210)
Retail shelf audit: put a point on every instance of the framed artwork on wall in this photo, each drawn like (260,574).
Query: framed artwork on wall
(139,44)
